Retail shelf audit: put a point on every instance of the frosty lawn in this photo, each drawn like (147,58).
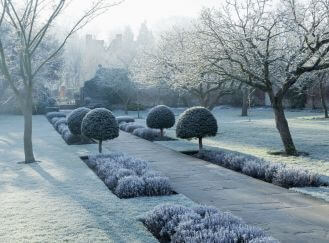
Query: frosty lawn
(259,136)
(61,199)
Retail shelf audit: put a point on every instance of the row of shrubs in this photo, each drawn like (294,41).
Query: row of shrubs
(276,173)
(141,131)
(175,223)
(128,177)
(59,122)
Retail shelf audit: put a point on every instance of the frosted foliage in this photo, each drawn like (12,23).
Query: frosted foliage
(100,124)
(51,115)
(54,120)
(147,133)
(58,122)
(196,122)
(126,119)
(128,177)
(75,118)
(160,117)
(130,186)
(70,138)
(177,223)
(277,173)
(265,239)
(132,127)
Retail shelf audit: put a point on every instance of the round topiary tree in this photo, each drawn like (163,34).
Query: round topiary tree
(196,122)
(160,117)
(75,118)
(100,124)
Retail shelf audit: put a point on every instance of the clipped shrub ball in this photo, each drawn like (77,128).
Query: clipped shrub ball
(100,124)
(196,122)
(160,117)
(75,118)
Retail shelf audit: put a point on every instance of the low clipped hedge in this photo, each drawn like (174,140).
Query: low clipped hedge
(128,177)
(51,115)
(143,132)
(59,122)
(147,133)
(126,119)
(175,223)
(276,173)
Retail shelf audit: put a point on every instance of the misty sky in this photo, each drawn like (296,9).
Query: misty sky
(134,12)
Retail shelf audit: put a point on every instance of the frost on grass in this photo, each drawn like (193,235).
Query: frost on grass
(278,174)
(175,223)
(128,177)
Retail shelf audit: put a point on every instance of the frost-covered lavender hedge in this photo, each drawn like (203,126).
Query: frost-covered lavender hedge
(142,132)
(126,119)
(175,223)
(51,115)
(129,127)
(276,173)
(128,177)
(147,133)
(59,122)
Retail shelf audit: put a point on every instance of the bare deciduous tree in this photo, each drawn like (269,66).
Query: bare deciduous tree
(32,21)
(178,61)
(269,47)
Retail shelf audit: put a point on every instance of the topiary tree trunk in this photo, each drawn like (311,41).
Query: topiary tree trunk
(100,149)
(200,144)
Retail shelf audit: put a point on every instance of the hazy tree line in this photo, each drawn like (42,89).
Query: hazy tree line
(252,43)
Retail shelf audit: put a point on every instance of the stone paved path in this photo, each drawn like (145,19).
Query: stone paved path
(287,215)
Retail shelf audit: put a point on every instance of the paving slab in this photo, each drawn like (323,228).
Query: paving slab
(288,216)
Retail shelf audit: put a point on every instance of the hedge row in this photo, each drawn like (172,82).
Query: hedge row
(276,173)
(128,177)
(175,223)
(141,131)
(59,122)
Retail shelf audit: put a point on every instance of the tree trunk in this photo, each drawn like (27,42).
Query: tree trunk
(100,146)
(161,132)
(200,144)
(323,99)
(313,100)
(282,126)
(126,108)
(28,146)
(245,93)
